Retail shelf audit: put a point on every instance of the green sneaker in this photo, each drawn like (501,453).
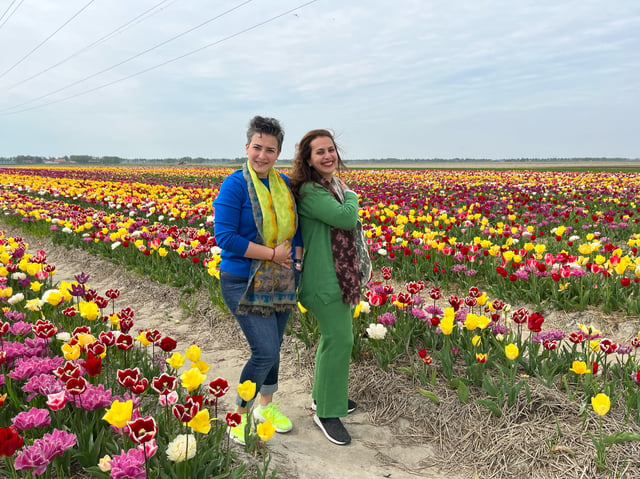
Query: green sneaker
(271,413)
(237,433)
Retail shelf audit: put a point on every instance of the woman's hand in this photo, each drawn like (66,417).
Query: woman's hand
(282,254)
(343,185)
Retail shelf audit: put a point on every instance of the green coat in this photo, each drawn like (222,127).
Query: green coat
(318,211)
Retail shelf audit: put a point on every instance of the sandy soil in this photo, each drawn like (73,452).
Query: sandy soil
(304,452)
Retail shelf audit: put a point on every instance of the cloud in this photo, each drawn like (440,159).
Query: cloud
(393,79)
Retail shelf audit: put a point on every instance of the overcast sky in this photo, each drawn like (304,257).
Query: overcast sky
(393,78)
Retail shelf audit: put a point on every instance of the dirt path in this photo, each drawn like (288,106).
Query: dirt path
(304,452)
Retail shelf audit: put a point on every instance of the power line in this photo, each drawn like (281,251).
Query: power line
(180,57)
(128,59)
(102,39)
(46,39)
(11,14)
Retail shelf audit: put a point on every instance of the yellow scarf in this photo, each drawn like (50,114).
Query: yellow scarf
(271,287)
(277,208)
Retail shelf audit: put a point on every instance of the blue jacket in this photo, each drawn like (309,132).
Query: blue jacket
(234,226)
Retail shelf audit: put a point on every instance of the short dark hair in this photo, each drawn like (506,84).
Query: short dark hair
(266,126)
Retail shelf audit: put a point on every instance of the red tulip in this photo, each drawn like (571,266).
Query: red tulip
(10,441)
(520,315)
(142,430)
(112,293)
(4,327)
(128,378)
(76,386)
(233,419)
(124,342)
(535,322)
(68,371)
(107,338)
(607,346)
(164,384)
(167,344)
(218,387)
(93,365)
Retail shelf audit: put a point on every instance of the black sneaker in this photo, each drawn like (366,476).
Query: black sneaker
(334,430)
(351,406)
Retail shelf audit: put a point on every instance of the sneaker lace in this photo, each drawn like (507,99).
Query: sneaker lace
(274,412)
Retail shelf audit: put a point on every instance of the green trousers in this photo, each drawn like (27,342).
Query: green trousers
(331,376)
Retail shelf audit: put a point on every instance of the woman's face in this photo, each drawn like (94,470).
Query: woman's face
(324,156)
(262,153)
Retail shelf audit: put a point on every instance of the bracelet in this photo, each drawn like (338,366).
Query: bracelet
(273,256)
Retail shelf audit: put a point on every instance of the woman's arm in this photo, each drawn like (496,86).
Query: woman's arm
(227,225)
(320,204)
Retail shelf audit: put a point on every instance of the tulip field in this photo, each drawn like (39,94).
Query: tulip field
(467,263)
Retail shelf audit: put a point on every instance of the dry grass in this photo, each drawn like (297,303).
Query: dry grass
(544,437)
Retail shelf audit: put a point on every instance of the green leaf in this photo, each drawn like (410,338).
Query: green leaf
(463,393)
(620,437)
(488,386)
(433,397)
(491,405)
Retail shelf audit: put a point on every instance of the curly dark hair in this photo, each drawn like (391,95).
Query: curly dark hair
(266,126)
(302,172)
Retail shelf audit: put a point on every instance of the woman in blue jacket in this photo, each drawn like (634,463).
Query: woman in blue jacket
(255,224)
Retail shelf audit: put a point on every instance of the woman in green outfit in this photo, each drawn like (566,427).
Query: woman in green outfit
(331,280)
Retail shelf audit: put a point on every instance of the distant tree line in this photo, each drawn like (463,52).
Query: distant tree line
(111,160)
(187,160)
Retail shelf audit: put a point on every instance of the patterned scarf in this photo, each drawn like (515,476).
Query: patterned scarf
(271,287)
(345,256)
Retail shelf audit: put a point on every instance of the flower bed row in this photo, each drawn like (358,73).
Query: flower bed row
(81,391)
(560,238)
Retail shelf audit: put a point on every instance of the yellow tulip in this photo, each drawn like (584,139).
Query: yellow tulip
(446,325)
(247,390)
(483,321)
(356,311)
(202,366)
(192,378)
(579,367)
(84,339)
(265,430)
(142,337)
(34,304)
(511,351)
(71,352)
(471,322)
(53,296)
(476,340)
(201,422)
(601,404)
(89,310)
(114,319)
(176,360)
(119,413)
(193,353)
(482,299)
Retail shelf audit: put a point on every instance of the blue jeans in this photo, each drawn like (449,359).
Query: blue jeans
(264,335)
